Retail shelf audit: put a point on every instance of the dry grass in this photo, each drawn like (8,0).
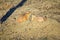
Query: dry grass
(31,30)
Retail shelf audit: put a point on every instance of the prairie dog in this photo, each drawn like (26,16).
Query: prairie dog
(24,17)
(28,16)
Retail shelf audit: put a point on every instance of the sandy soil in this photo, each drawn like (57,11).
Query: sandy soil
(31,30)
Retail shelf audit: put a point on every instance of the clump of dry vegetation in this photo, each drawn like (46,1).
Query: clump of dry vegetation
(47,10)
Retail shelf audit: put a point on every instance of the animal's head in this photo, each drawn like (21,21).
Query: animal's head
(28,13)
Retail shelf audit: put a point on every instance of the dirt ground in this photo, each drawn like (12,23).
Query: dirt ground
(31,30)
